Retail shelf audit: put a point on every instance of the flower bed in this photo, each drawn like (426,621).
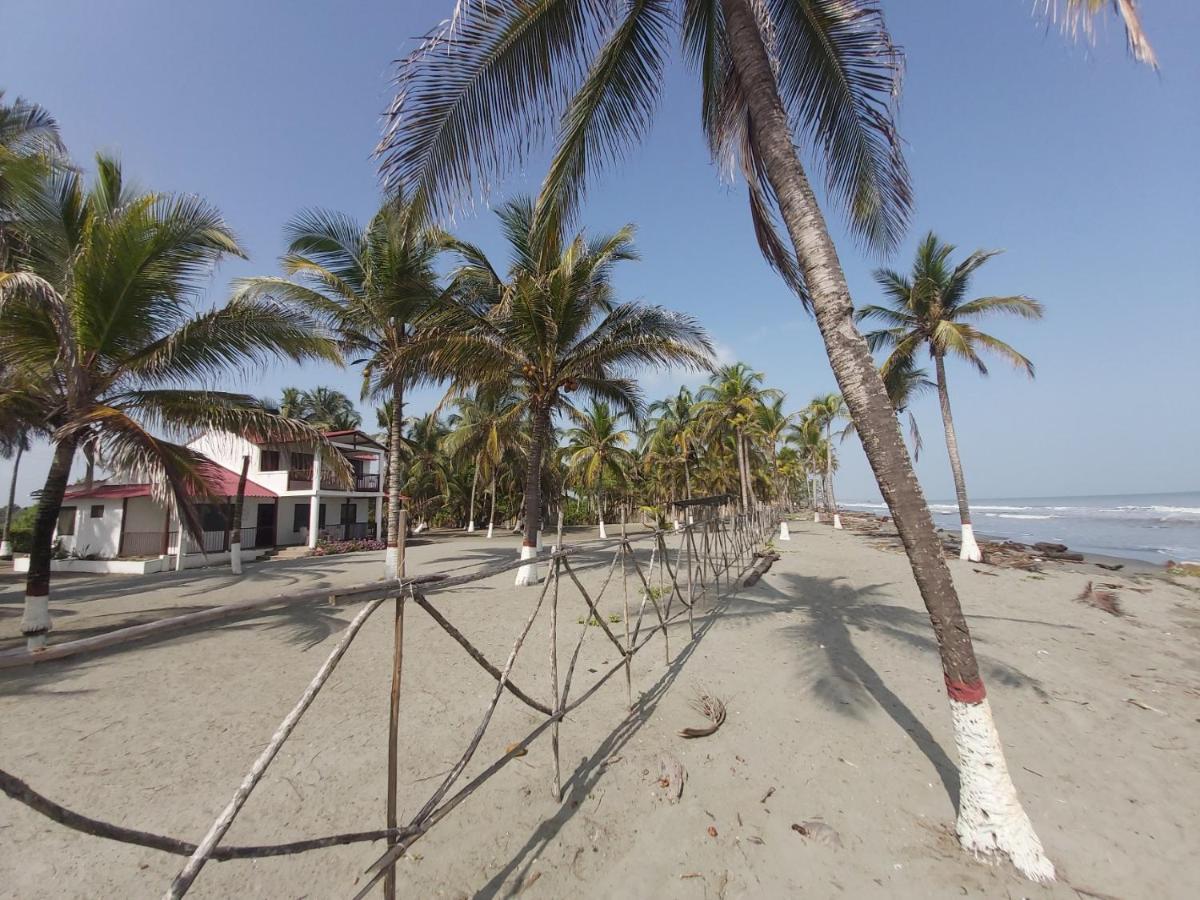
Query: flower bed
(329,548)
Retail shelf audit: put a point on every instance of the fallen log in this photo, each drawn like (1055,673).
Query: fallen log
(1047,547)
(1062,557)
(760,568)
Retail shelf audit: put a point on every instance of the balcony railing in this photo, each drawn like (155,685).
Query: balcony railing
(210,542)
(354,531)
(302,480)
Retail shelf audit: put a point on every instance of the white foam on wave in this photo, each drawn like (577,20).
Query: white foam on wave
(1016,516)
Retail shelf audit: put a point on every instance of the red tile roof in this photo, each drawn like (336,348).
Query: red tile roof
(221,481)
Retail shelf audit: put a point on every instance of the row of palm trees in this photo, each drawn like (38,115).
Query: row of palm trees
(494,81)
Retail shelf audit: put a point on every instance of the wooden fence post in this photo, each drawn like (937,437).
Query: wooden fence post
(393,774)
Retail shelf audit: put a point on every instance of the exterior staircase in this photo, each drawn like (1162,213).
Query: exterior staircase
(288,553)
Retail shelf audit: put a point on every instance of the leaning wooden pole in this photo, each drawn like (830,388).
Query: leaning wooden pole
(556,786)
(183,881)
(625,588)
(393,762)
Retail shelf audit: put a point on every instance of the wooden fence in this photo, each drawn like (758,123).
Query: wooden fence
(679,571)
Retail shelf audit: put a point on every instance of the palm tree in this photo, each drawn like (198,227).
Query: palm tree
(825,410)
(330,410)
(597,453)
(770,424)
(96,318)
(29,145)
(11,447)
(928,310)
(428,470)
(486,427)
(730,402)
(813,449)
(370,285)
(673,428)
(475,97)
(549,329)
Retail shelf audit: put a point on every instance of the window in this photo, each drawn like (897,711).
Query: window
(269,461)
(349,513)
(300,516)
(98,511)
(302,462)
(66,521)
(321,516)
(212,516)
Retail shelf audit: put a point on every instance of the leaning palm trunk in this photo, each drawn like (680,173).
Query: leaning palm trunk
(741,462)
(990,817)
(528,573)
(600,514)
(35,624)
(391,565)
(970,549)
(6,548)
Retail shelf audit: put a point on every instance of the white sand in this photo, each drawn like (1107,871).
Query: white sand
(835,701)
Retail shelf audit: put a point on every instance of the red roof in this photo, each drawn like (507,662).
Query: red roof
(221,481)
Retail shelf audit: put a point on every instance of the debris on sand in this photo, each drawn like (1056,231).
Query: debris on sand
(1105,600)
(671,776)
(713,709)
(818,832)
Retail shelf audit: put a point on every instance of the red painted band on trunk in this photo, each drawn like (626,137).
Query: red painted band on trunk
(527,544)
(965,693)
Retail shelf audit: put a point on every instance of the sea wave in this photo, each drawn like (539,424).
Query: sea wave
(1017,516)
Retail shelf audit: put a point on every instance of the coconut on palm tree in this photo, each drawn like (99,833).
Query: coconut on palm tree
(597,453)
(552,329)
(484,87)
(928,311)
(370,285)
(97,317)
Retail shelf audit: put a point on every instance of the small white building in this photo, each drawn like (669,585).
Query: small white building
(287,502)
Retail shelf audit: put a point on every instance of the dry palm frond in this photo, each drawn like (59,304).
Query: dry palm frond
(1105,600)
(712,708)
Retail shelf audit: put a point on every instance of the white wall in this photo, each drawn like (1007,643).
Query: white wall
(98,536)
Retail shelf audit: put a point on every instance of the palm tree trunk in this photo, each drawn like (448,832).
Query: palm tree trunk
(833,508)
(600,511)
(528,574)
(235,521)
(6,548)
(474,482)
(741,462)
(492,514)
(749,472)
(391,565)
(35,624)
(990,817)
(969,548)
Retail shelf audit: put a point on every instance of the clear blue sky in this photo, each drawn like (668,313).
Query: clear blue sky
(1076,161)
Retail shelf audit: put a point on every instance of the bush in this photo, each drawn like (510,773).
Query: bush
(330,548)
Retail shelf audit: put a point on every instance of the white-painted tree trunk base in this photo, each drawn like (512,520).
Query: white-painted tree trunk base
(991,820)
(837,521)
(489,537)
(603,531)
(970,550)
(235,558)
(35,623)
(179,556)
(817,517)
(470,526)
(528,574)
(539,542)
(676,525)
(420,527)
(6,550)
(391,564)
(784,534)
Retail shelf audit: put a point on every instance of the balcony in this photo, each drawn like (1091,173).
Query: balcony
(302,480)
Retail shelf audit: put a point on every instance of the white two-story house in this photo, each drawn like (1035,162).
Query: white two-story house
(286,502)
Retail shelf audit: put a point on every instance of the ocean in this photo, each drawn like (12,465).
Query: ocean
(1151,527)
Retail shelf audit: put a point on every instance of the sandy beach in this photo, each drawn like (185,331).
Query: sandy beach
(836,717)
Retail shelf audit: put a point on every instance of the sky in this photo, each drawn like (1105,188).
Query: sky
(1076,161)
